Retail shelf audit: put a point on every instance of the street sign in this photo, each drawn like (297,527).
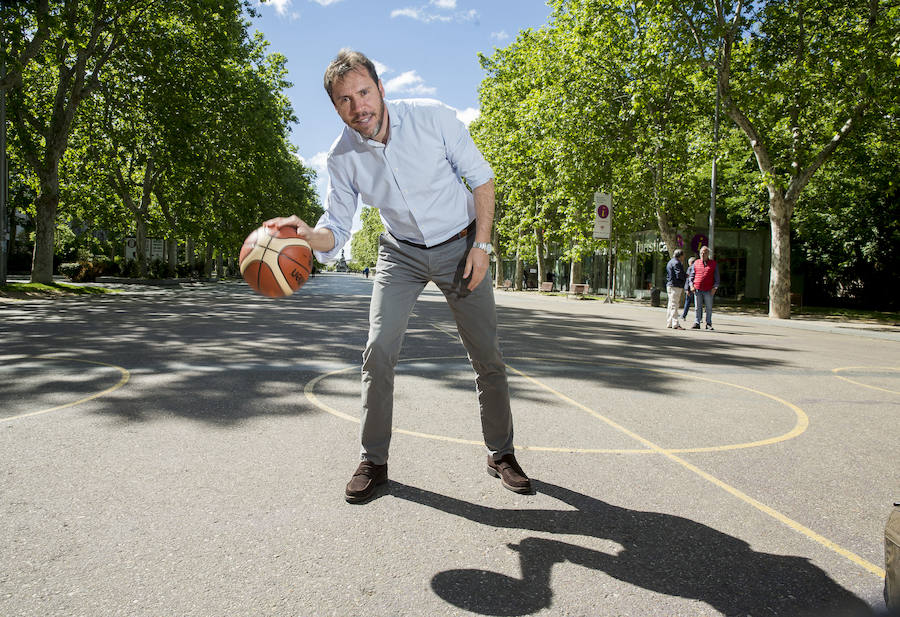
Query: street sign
(603,211)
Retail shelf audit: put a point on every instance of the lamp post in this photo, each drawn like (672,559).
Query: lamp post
(713,180)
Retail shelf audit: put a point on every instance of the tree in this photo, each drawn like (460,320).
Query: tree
(796,78)
(364,244)
(848,222)
(65,71)
(185,134)
(594,101)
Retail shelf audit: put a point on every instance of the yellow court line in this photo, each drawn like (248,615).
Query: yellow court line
(670,454)
(801,424)
(122,381)
(724,486)
(799,427)
(865,385)
(309,391)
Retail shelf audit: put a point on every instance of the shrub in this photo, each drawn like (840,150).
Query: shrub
(80,272)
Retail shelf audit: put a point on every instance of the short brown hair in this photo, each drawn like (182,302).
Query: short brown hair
(345,61)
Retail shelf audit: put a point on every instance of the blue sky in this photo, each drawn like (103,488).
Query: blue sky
(422,48)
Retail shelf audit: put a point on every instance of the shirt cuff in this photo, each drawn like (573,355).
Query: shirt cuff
(340,240)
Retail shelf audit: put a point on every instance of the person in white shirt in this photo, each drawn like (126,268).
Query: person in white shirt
(412,159)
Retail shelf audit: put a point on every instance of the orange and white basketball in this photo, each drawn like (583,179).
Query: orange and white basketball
(275,262)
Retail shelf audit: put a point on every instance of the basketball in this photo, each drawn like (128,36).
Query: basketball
(275,262)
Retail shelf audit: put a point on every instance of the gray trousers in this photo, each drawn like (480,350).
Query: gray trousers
(400,276)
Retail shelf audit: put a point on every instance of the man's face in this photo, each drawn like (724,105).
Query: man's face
(704,254)
(359,102)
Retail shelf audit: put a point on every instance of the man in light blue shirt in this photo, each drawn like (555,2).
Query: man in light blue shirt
(412,159)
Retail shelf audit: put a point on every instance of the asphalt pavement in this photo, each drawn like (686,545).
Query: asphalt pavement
(183,451)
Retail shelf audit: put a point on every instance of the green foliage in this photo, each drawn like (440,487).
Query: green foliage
(619,96)
(364,243)
(82,271)
(594,101)
(179,127)
(848,222)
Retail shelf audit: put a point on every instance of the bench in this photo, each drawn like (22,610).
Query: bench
(547,286)
(797,300)
(506,285)
(579,289)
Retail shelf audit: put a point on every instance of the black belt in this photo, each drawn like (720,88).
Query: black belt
(465,232)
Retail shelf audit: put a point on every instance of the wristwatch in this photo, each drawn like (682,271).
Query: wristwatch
(487,247)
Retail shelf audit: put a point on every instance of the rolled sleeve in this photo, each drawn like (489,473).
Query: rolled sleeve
(462,152)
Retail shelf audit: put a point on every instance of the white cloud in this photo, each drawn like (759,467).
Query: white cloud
(317,162)
(420,15)
(380,68)
(426,13)
(409,82)
(325,2)
(500,36)
(281,6)
(466,116)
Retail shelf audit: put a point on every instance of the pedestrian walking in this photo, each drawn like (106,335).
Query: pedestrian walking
(675,280)
(706,282)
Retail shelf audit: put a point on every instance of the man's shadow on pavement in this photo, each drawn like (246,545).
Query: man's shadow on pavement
(663,553)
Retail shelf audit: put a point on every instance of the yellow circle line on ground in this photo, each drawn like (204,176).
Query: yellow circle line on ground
(122,381)
(865,385)
(309,391)
(800,426)
(651,447)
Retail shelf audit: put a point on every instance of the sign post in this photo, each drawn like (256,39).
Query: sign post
(603,211)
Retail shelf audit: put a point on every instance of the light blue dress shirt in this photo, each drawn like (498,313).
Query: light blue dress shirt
(415,180)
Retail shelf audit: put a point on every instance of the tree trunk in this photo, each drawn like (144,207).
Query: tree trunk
(780,278)
(11,228)
(207,263)
(520,272)
(46,205)
(140,225)
(498,263)
(615,268)
(539,253)
(575,274)
(189,254)
(666,231)
(172,255)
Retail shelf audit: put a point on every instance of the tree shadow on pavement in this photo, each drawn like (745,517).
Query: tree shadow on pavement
(217,353)
(662,553)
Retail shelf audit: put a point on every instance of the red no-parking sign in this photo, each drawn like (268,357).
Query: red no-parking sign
(603,211)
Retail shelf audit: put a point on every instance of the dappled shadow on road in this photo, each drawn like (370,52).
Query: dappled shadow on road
(660,552)
(220,353)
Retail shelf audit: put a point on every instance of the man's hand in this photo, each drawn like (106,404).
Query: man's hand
(319,239)
(477,263)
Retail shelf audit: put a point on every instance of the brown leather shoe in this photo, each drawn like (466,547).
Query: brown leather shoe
(509,472)
(365,479)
